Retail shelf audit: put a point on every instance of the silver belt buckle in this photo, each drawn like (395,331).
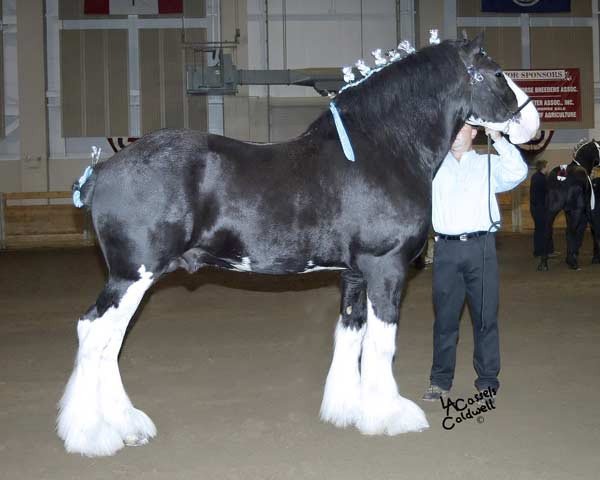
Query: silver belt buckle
(463,237)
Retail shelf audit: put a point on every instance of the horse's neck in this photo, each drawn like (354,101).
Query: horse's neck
(585,161)
(434,134)
(447,134)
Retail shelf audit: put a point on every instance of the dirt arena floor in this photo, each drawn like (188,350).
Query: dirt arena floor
(231,369)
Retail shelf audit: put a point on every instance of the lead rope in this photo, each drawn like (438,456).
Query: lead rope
(493,224)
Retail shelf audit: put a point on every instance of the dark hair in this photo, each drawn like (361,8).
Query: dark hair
(540,164)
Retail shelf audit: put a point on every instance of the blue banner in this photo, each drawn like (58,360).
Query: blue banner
(526,6)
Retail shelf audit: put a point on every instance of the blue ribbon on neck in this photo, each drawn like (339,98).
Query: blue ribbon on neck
(341,131)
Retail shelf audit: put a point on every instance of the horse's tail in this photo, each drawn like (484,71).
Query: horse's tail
(83,189)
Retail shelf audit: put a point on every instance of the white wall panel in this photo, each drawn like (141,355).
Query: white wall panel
(319,34)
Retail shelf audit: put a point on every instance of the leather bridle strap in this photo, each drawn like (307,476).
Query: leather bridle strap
(521,107)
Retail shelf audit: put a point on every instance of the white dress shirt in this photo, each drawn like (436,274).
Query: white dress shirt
(459,197)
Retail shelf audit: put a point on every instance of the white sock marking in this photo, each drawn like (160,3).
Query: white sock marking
(383,410)
(341,399)
(96,416)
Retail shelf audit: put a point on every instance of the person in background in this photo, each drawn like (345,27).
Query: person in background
(537,206)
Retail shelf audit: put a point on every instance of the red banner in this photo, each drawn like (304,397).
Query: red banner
(130,7)
(555,92)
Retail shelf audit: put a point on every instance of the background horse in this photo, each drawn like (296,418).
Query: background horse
(570,190)
(184,199)
(595,221)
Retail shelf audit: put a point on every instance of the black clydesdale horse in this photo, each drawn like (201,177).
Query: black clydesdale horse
(184,199)
(570,189)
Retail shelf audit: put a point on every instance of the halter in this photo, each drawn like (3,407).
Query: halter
(477,77)
(592,195)
(581,145)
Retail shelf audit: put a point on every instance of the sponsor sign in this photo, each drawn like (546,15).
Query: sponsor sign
(555,92)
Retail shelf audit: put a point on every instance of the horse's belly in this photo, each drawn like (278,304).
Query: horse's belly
(277,266)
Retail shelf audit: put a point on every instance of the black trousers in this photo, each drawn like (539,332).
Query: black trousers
(539,220)
(458,271)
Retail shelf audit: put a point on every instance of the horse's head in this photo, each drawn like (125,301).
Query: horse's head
(496,102)
(597,156)
(587,154)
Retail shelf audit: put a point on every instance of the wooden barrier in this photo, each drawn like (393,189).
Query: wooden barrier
(29,219)
(40,219)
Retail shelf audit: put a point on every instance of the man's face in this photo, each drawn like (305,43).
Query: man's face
(464,138)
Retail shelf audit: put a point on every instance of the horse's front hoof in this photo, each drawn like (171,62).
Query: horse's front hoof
(96,439)
(572,263)
(543,266)
(136,428)
(391,416)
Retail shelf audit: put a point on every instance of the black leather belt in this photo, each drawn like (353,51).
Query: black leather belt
(463,237)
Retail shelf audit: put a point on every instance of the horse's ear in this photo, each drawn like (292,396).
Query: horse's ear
(473,47)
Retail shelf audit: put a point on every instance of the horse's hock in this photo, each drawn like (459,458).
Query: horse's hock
(42,219)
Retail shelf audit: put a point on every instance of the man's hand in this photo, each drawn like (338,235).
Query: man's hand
(494,134)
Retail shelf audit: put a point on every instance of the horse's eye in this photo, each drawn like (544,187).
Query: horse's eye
(498,73)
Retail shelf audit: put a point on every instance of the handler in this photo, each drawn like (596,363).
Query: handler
(538,190)
(461,221)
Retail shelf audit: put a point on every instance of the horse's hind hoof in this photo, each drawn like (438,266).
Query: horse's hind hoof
(135,440)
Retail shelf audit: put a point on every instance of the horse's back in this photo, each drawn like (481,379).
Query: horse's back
(176,190)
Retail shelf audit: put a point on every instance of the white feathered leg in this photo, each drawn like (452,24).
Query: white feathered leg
(96,417)
(341,399)
(383,410)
